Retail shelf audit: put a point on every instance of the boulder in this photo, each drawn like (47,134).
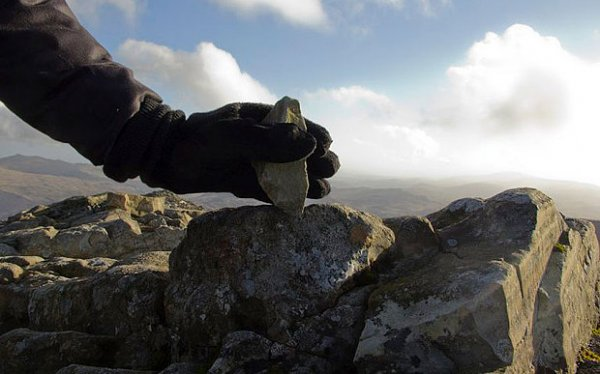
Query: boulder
(10,273)
(105,225)
(27,351)
(472,308)
(416,242)
(248,352)
(566,303)
(73,267)
(82,369)
(7,250)
(125,301)
(258,269)
(183,368)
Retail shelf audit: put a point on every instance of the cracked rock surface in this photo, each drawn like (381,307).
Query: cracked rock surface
(499,285)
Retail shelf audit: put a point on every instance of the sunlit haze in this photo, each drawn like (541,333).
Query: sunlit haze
(406,87)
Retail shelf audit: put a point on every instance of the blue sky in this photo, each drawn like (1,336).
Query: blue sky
(406,87)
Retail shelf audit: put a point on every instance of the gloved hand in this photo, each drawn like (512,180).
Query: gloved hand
(212,152)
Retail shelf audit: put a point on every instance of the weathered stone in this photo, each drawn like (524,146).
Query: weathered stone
(257,268)
(83,241)
(22,261)
(7,250)
(34,242)
(105,225)
(125,301)
(10,273)
(566,306)
(455,212)
(286,184)
(416,242)
(26,351)
(73,267)
(184,368)
(470,310)
(14,299)
(334,333)
(82,369)
(248,352)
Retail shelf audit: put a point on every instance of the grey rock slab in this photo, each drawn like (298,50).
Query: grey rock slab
(7,250)
(566,306)
(470,309)
(416,243)
(23,261)
(10,273)
(455,212)
(27,351)
(248,352)
(260,269)
(183,368)
(73,267)
(82,369)
(286,184)
(125,301)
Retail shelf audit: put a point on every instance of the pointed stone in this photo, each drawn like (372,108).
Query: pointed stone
(286,184)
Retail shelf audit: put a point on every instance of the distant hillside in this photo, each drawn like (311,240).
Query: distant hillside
(394,197)
(26,181)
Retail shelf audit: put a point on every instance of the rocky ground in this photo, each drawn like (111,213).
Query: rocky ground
(117,283)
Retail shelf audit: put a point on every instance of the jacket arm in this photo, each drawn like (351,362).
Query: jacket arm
(55,76)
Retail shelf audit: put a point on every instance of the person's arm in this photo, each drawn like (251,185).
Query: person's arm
(57,77)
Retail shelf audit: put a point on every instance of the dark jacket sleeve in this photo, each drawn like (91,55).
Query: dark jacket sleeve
(55,76)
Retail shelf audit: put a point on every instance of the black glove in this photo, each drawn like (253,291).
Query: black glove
(212,152)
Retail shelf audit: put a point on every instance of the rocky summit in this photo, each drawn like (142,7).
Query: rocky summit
(119,283)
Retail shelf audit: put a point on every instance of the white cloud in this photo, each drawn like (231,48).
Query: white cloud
(304,13)
(398,4)
(322,14)
(518,80)
(202,79)
(430,7)
(14,129)
(520,102)
(371,133)
(89,8)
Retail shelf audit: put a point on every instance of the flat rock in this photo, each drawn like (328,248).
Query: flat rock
(286,184)
(10,273)
(23,261)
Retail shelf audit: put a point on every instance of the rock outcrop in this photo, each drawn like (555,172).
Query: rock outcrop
(505,284)
(101,304)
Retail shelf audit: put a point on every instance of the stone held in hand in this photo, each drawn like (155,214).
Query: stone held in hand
(286,184)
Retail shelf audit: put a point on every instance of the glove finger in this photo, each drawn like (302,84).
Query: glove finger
(323,167)
(318,188)
(321,134)
(255,111)
(277,143)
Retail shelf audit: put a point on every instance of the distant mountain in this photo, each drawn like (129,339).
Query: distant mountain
(26,181)
(395,197)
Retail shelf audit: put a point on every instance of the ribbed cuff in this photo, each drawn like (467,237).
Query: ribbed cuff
(136,145)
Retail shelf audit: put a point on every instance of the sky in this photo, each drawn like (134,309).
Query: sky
(428,88)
